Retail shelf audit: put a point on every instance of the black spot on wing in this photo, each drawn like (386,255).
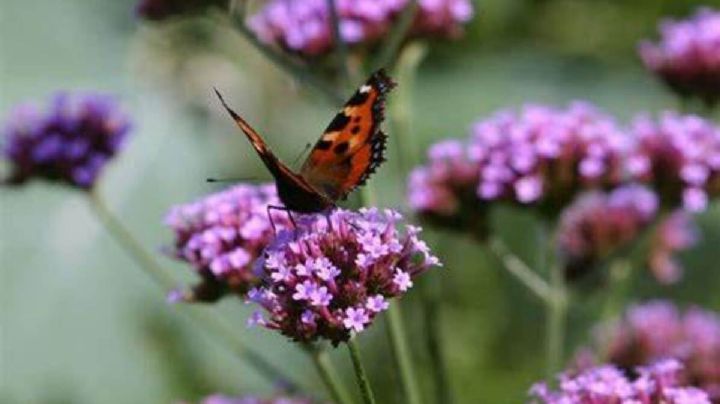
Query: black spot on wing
(355,130)
(359,98)
(341,148)
(338,123)
(377,157)
(323,145)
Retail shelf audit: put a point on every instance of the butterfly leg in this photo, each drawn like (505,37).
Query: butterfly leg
(327,213)
(282,209)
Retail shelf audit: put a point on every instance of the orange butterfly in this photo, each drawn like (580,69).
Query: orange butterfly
(348,152)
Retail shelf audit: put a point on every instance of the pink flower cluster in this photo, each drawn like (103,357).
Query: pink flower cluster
(221,235)
(545,157)
(304,26)
(330,278)
(687,57)
(598,223)
(679,155)
(660,383)
(538,156)
(546,154)
(444,191)
(656,330)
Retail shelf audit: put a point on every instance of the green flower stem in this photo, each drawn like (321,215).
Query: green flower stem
(431,303)
(297,71)
(401,105)
(329,375)
(619,282)
(360,375)
(341,48)
(401,353)
(407,155)
(556,318)
(523,273)
(620,276)
(396,330)
(397,36)
(214,327)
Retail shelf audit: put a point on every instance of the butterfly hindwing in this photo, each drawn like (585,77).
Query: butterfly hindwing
(352,146)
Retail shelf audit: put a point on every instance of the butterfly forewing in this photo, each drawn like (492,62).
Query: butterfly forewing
(352,146)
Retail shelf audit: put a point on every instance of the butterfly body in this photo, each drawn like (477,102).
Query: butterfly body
(347,153)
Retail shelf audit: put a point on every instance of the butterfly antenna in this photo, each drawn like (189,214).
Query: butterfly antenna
(237,179)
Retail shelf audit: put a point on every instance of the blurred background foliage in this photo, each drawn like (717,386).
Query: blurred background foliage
(80,324)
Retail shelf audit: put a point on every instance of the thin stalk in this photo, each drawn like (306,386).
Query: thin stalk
(397,36)
(433,338)
(407,154)
(401,105)
(620,271)
(619,280)
(401,352)
(360,375)
(329,376)
(521,271)
(396,329)
(556,317)
(341,48)
(295,70)
(149,265)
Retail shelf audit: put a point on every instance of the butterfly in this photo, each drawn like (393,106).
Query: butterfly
(348,152)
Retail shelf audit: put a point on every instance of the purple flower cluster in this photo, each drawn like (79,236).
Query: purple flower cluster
(278,399)
(679,155)
(159,10)
(71,142)
(330,277)
(660,383)
(304,26)
(657,330)
(687,57)
(541,156)
(443,190)
(597,224)
(545,154)
(222,235)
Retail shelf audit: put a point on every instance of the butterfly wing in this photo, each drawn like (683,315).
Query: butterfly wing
(294,191)
(352,146)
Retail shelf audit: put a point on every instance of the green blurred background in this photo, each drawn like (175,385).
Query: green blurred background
(81,324)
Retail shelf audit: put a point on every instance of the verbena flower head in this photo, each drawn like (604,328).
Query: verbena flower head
(660,383)
(158,10)
(687,57)
(540,156)
(278,399)
(304,26)
(443,191)
(221,235)
(330,278)
(598,223)
(679,156)
(70,142)
(544,155)
(656,330)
